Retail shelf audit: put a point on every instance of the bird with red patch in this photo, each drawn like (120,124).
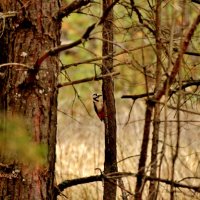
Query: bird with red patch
(99,106)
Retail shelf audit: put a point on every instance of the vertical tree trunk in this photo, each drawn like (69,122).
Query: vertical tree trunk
(156,121)
(30,93)
(110,164)
(140,182)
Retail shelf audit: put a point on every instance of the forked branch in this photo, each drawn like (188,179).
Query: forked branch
(84,37)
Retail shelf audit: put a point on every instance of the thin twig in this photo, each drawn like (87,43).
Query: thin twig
(129,114)
(14,64)
(103,57)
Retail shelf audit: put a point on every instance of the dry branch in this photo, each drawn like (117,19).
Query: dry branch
(140,18)
(103,57)
(196,1)
(69,183)
(137,96)
(8,14)
(94,78)
(171,92)
(14,64)
(85,36)
(188,52)
(117,175)
(169,81)
(67,10)
(151,107)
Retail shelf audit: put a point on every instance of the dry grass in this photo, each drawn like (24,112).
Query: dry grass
(80,150)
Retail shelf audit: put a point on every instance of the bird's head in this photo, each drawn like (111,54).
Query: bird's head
(96,96)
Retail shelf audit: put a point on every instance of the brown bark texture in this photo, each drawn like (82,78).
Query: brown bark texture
(30,93)
(153,188)
(110,164)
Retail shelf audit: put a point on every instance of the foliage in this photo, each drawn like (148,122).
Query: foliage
(16,143)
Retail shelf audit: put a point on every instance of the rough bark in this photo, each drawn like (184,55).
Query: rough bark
(110,164)
(156,121)
(32,31)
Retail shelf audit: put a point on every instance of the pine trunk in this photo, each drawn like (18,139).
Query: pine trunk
(30,93)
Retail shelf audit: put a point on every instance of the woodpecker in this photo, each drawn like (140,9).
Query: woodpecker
(99,106)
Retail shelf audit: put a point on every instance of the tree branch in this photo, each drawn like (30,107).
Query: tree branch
(171,92)
(188,52)
(69,183)
(103,57)
(67,10)
(8,14)
(137,96)
(14,64)
(196,1)
(169,81)
(85,36)
(140,18)
(87,79)
(116,175)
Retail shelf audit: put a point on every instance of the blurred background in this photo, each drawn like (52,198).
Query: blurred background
(80,137)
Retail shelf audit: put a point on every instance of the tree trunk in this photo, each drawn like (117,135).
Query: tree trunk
(156,122)
(30,93)
(140,182)
(110,164)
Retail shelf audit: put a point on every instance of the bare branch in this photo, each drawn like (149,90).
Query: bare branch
(85,36)
(137,96)
(8,14)
(188,52)
(14,64)
(126,51)
(88,79)
(169,81)
(69,183)
(67,10)
(196,1)
(2,74)
(171,92)
(116,175)
(140,18)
